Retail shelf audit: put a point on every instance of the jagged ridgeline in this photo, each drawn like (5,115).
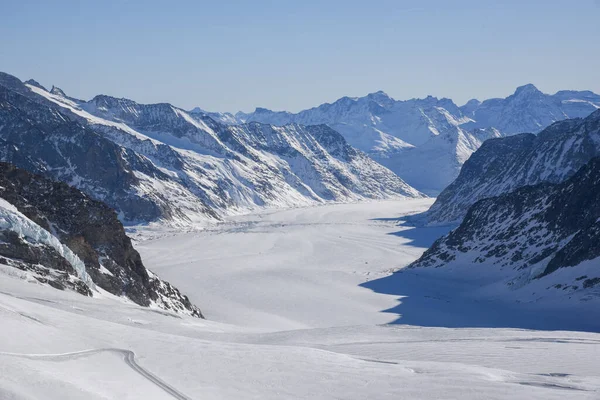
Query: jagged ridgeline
(506,164)
(426,141)
(62,237)
(546,236)
(159,163)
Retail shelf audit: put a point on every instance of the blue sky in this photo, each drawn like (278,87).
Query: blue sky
(237,55)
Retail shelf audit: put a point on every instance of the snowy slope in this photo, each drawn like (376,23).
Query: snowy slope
(503,165)
(318,344)
(160,163)
(390,130)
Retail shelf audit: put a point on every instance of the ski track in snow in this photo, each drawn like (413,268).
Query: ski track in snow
(128,357)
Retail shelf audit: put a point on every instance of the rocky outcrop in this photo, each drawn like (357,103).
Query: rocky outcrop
(92,231)
(44,262)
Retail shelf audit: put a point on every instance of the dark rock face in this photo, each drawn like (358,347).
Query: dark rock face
(505,164)
(47,265)
(534,232)
(92,231)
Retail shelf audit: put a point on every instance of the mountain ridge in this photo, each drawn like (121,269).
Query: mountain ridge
(543,236)
(504,164)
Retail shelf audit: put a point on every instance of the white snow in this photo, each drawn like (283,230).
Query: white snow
(288,320)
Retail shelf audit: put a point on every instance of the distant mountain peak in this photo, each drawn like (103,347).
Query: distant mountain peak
(527,89)
(472,102)
(57,91)
(35,83)
(262,110)
(381,98)
(379,94)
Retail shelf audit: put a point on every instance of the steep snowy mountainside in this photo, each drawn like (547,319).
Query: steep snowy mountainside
(315,161)
(505,164)
(176,167)
(392,132)
(540,241)
(61,237)
(42,138)
(435,163)
(399,124)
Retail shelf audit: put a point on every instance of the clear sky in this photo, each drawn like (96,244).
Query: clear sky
(237,55)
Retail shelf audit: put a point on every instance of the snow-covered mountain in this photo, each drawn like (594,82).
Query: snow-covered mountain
(438,161)
(541,241)
(158,162)
(503,165)
(530,110)
(425,141)
(60,237)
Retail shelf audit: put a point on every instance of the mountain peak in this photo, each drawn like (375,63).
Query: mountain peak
(262,110)
(380,97)
(379,93)
(527,89)
(35,83)
(57,91)
(472,103)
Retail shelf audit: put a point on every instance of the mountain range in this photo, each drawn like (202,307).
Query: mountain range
(157,162)
(426,141)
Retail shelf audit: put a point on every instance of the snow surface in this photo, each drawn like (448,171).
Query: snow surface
(290,317)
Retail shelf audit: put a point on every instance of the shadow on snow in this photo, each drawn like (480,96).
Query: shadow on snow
(433,298)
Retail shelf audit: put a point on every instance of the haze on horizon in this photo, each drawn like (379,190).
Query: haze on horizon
(238,55)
